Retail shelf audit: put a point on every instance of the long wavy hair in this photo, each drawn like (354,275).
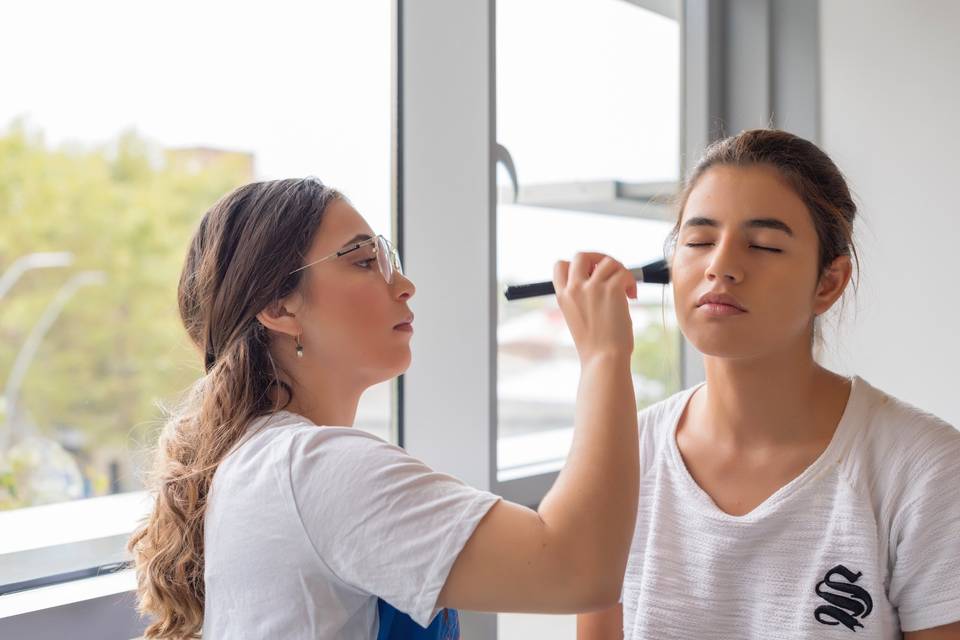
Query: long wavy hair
(239,262)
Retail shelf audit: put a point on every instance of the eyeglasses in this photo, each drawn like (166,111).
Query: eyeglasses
(377,248)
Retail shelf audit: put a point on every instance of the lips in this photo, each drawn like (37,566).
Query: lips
(406,325)
(719,300)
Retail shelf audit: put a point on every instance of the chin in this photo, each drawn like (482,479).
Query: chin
(397,366)
(724,351)
(720,343)
(401,368)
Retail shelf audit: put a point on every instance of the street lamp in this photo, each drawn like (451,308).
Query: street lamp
(30,346)
(38,260)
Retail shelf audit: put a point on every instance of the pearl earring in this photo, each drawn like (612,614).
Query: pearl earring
(299,347)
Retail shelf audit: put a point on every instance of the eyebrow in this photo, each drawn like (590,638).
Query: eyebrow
(360,237)
(754,223)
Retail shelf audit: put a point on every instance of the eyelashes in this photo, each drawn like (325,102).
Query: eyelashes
(694,245)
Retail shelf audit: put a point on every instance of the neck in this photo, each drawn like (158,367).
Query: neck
(780,398)
(326,398)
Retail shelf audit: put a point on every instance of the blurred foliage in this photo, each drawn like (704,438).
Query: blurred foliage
(127,209)
(656,357)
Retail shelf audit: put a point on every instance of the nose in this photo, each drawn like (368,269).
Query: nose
(724,264)
(403,287)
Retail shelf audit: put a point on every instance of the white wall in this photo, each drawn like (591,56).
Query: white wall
(891,121)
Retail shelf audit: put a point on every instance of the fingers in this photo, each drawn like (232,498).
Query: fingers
(590,293)
(607,268)
(631,286)
(583,266)
(611,269)
(596,267)
(560,275)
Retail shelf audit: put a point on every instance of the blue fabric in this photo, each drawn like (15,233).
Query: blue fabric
(395,625)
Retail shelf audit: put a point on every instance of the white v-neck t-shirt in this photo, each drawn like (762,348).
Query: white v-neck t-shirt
(865,542)
(306,527)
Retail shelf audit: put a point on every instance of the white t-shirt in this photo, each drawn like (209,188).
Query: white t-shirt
(307,526)
(866,539)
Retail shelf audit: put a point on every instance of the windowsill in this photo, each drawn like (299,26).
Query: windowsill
(50,539)
(67,522)
(57,595)
(532,454)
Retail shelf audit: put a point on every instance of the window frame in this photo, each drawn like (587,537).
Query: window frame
(607,197)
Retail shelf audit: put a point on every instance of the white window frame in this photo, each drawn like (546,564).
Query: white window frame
(449,111)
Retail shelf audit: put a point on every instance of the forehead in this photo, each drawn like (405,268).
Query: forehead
(340,223)
(732,195)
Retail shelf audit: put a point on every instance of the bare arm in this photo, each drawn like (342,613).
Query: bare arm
(601,625)
(570,554)
(946,632)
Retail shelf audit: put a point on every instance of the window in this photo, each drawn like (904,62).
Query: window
(588,107)
(114,140)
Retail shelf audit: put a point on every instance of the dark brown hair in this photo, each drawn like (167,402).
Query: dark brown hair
(239,262)
(805,167)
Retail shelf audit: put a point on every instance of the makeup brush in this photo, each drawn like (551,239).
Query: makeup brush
(656,272)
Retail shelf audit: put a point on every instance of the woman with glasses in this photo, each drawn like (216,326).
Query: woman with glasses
(274,518)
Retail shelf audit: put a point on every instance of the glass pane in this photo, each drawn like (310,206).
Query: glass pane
(596,100)
(114,139)
(538,368)
(588,90)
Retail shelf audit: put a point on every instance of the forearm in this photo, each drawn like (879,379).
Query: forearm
(591,510)
(606,624)
(570,554)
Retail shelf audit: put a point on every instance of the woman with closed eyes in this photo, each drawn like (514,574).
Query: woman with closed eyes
(779,499)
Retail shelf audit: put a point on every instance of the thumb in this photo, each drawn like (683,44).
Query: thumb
(630,285)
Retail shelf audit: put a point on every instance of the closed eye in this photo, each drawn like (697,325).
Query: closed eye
(753,246)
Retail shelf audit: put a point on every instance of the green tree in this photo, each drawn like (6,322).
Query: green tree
(127,209)
(656,357)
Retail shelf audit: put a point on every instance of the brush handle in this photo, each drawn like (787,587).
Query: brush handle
(656,272)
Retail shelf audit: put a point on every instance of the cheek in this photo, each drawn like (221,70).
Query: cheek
(792,298)
(367,306)
(684,280)
(689,263)
(783,306)
(352,314)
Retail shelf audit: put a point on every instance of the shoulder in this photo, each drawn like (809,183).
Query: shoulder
(288,440)
(900,452)
(332,469)
(901,436)
(305,443)
(662,416)
(657,421)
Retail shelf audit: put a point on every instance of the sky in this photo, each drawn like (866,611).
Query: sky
(306,86)
(587,89)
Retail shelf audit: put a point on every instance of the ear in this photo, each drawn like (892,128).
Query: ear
(281,315)
(833,282)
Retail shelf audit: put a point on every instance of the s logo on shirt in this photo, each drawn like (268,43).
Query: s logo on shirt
(843,609)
